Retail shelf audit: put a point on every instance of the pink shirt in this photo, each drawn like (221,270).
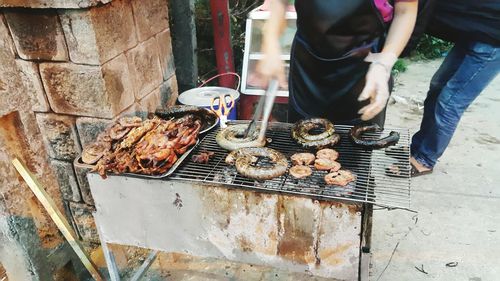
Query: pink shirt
(386,9)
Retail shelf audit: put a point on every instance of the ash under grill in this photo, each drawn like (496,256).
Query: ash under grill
(373,185)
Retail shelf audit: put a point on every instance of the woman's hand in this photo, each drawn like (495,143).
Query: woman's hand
(271,66)
(377,78)
(377,84)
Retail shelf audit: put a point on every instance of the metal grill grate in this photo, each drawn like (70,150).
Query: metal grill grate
(374,183)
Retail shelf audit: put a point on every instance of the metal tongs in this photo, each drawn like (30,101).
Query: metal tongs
(264,108)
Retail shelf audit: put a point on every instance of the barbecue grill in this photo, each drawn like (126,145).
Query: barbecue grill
(297,225)
(374,184)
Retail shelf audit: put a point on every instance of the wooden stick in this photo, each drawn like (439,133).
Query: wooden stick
(57,217)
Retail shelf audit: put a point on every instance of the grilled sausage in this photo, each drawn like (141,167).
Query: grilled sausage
(246,157)
(230,138)
(357,131)
(301,133)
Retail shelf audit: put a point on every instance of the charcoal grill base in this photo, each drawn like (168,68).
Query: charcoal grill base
(292,233)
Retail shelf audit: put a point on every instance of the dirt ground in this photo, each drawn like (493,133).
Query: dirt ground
(458,205)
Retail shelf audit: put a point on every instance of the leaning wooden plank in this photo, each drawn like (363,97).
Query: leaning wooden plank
(57,217)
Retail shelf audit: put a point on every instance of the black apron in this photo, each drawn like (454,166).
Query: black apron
(327,68)
(464,21)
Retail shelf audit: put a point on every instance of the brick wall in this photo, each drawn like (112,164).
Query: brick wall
(65,73)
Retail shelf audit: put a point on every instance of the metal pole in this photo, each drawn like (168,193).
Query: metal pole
(222,40)
(114,274)
(183,30)
(145,265)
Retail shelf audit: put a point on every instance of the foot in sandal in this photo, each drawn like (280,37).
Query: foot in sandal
(418,169)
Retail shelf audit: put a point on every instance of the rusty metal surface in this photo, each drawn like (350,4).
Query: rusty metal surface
(293,233)
(373,184)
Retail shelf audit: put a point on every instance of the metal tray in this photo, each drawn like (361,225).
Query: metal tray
(78,162)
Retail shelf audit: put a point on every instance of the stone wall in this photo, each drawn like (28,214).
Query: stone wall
(65,73)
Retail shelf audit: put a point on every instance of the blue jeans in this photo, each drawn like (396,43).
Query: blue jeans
(465,72)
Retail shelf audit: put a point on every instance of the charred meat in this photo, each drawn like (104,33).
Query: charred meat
(203,157)
(357,131)
(245,161)
(302,133)
(151,148)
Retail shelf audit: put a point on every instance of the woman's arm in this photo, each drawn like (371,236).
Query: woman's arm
(405,15)
(376,88)
(271,66)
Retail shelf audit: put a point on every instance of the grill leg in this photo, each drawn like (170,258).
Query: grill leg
(366,234)
(145,265)
(108,255)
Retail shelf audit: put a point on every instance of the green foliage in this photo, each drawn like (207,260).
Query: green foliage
(428,48)
(238,10)
(431,48)
(399,67)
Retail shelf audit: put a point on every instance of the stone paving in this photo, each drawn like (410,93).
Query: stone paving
(458,205)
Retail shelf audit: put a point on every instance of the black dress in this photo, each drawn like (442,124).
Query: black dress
(327,68)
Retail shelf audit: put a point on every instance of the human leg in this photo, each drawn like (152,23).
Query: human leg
(447,69)
(480,65)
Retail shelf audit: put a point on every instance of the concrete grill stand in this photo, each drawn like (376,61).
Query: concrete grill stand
(203,216)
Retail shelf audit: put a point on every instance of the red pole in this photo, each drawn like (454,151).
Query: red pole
(222,41)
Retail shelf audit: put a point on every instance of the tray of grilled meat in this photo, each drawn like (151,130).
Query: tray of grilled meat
(208,118)
(151,148)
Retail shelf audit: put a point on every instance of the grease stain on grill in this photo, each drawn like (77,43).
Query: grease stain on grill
(332,256)
(244,244)
(178,201)
(296,242)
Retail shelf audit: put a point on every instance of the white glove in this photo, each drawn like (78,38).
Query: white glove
(377,84)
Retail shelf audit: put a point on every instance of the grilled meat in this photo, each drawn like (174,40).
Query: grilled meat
(230,138)
(302,158)
(341,178)
(327,153)
(203,157)
(301,133)
(130,122)
(322,164)
(300,171)
(151,148)
(95,151)
(246,159)
(357,131)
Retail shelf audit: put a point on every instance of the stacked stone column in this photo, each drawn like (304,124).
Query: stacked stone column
(68,69)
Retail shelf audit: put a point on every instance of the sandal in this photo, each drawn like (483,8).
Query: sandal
(415,173)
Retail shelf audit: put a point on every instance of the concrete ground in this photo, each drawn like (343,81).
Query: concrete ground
(458,219)
(458,205)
